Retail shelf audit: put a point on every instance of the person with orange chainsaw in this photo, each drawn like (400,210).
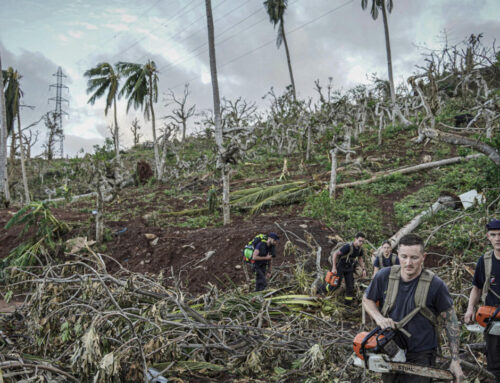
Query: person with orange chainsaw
(486,287)
(344,260)
(411,300)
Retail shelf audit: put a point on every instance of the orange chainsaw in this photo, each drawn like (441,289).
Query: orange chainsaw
(488,320)
(379,351)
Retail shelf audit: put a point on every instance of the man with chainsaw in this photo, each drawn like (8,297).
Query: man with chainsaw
(264,252)
(486,287)
(384,257)
(344,260)
(411,299)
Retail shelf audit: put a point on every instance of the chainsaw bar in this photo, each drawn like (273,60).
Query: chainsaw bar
(415,369)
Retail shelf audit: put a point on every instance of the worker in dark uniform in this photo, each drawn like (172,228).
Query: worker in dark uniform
(264,252)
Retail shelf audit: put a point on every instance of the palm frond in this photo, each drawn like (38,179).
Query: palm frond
(285,197)
(264,193)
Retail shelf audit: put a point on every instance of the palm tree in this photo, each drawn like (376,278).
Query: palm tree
(13,94)
(217,114)
(276,10)
(376,5)
(104,78)
(4,182)
(141,89)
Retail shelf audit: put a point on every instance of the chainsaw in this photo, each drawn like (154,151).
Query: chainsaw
(379,351)
(488,321)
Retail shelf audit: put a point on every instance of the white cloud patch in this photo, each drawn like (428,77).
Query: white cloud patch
(62,37)
(128,18)
(76,34)
(117,27)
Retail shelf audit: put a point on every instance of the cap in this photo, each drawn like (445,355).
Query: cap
(273,236)
(494,224)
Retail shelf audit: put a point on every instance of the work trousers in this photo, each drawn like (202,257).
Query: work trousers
(347,274)
(424,358)
(493,355)
(260,275)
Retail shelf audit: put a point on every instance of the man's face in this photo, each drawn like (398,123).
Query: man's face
(386,248)
(359,241)
(494,237)
(271,241)
(411,259)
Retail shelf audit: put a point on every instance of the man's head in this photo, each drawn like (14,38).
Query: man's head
(359,239)
(493,233)
(411,256)
(272,238)
(386,248)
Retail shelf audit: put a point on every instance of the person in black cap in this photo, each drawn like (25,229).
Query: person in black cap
(486,287)
(264,252)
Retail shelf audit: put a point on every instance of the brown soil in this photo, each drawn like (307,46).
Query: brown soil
(180,252)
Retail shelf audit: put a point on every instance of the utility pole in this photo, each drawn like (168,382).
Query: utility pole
(58,112)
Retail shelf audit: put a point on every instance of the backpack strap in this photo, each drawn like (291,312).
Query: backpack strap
(488,265)
(420,296)
(392,289)
(380,257)
(393,260)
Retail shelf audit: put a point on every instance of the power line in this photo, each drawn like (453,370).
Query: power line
(270,41)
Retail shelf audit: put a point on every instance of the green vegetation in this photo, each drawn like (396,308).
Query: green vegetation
(351,212)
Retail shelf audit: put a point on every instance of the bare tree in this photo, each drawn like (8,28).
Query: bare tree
(135,131)
(217,113)
(4,182)
(53,131)
(181,112)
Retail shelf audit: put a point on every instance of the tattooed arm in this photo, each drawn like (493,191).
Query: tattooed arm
(453,333)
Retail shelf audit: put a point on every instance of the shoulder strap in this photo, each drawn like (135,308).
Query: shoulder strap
(380,257)
(488,260)
(421,293)
(393,260)
(392,290)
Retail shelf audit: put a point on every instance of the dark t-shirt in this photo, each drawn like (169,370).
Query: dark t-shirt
(386,262)
(348,263)
(264,250)
(423,335)
(479,278)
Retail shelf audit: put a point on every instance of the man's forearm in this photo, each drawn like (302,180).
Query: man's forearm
(334,260)
(475,296)
(452,331)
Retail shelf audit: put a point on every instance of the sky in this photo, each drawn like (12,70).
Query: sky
(327,38)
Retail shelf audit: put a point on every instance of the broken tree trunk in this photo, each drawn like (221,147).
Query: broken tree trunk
(459,140)
(442,202)
(410,169)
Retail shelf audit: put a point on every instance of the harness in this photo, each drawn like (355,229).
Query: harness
(420,297)
(381,259)
(488,265)
(347,257)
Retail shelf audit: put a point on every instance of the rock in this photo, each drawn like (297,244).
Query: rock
(150,236)
(427,158)
(303,226)
(154,242)
(147,260)
(142,263)
(237,267)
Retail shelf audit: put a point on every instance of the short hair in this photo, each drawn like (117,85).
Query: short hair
(360,234)
(411,240)
(386,242)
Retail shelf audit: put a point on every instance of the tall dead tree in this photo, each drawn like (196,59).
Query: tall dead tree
(217,113)
(4,182)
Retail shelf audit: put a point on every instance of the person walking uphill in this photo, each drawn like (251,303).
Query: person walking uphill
(385,258)
(486,287)
(264,252)
(344,261)
(412,298)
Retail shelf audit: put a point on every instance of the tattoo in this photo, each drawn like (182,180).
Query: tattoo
(452,331)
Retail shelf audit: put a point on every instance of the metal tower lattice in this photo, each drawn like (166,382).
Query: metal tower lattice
(59,99)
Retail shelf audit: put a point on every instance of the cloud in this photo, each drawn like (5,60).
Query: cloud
(128,18)
(117,27)
(63,38)
(76,34)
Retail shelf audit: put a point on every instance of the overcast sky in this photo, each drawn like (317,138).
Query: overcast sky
(327,38)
